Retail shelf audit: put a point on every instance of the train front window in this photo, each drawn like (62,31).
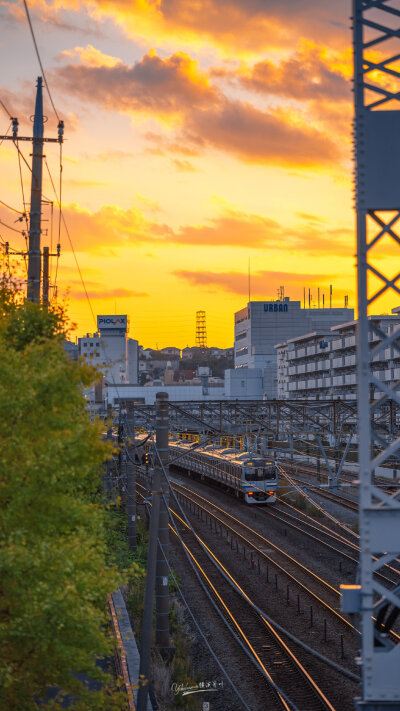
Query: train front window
(270,473)
(260,473)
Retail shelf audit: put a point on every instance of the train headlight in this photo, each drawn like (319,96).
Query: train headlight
(250,493)
(270,493)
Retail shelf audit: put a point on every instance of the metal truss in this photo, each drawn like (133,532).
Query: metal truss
(377,152)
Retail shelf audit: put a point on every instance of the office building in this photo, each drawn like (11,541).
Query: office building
(261,325)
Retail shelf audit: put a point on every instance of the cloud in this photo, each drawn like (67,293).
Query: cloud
(184,166)
(162,87)
(263,283)
(233,228)
(80,295)
(90,56)
(256,136)
(175,87)
(114,227)
(308,74)
(243,25)
(110,226)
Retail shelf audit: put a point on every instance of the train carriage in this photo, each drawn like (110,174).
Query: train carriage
(251,477)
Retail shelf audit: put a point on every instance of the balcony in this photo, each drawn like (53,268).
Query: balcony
(349,341)
(350,360)
(338,362)
(310,367)
(338,344)
(350,379)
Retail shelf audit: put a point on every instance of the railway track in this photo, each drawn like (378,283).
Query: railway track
(269,649)
(281,675)
(270,554)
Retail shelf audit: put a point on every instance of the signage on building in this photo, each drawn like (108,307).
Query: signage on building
(106,322)
(276,307)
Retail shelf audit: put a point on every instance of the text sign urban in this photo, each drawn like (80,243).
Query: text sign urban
(276,308)
(112,322)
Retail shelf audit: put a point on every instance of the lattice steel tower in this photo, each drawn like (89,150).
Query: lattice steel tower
(201,330)
(377,153)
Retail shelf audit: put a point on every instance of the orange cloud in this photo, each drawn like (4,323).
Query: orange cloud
(262,282)
(308,74)
(110,226)
(80,295)
(90,56)
(175,86)
(153,85)
(243,25)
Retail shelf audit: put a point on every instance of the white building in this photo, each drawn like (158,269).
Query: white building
(111,350)
(322,364)
(263,324)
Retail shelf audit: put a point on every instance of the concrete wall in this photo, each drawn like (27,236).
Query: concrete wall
(243,383)
(147,394)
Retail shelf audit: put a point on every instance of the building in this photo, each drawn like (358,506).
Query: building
(111,350)
(263,324)
(322,364)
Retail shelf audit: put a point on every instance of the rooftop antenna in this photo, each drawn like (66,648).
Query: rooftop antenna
(318,297)
(304,297)
(309,297)
(330,296)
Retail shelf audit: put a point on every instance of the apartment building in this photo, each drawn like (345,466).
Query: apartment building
(322,364)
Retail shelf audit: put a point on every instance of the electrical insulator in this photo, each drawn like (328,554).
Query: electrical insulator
(15,124)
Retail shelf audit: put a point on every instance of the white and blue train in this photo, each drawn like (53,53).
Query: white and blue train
(252,478)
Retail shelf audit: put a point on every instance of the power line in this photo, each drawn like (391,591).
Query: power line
(39,60)
(12,208)
(20,232)
(2,104)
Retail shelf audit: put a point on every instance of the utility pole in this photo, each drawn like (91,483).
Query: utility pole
(377,153)
(35,214)
(162,591)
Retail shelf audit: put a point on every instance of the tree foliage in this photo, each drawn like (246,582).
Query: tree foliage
(54,577)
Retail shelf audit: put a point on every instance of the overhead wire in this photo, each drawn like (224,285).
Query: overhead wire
(39,59)
(12,208)
(2,104)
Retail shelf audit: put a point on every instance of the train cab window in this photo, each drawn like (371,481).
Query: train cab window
(270,473)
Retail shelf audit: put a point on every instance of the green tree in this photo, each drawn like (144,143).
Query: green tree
(54,578)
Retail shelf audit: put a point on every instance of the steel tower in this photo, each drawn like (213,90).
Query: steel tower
(201,330)
(377,153)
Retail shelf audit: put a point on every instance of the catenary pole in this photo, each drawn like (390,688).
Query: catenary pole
(162,591)
(147,622)
(377,155)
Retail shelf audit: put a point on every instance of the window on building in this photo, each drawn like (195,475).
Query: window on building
(85,345)
(91,345)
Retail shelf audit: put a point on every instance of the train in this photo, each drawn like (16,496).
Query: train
(250,477)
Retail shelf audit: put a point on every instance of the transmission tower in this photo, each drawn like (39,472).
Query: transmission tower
(201,330)
(377,153)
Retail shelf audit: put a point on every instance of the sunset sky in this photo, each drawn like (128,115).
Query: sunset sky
(198,134)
